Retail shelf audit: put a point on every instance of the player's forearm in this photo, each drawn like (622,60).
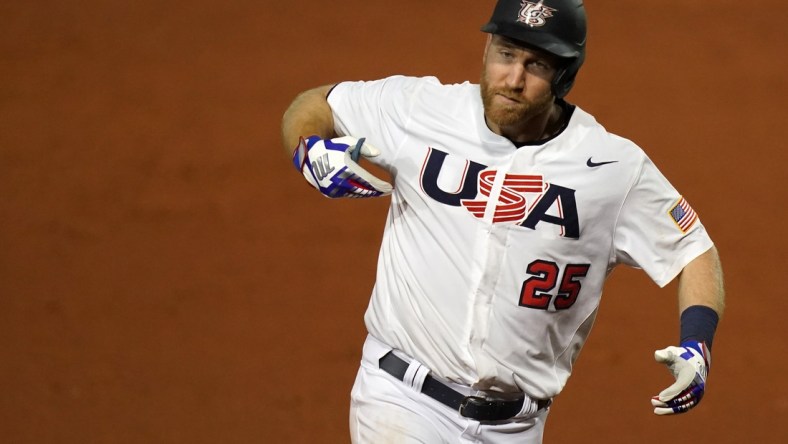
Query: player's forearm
(308,115)
(701,283)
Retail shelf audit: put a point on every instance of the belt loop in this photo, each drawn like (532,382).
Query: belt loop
(415,375)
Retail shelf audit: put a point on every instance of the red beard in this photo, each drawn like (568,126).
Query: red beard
(511,114)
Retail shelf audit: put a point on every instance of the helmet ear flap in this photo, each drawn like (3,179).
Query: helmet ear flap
(559,86)
(565,77)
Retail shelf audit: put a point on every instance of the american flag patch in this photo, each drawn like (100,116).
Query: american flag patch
(683,215)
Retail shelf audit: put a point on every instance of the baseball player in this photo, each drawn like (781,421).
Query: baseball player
(509,208)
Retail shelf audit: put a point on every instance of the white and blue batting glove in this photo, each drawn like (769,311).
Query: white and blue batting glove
(689,364)
(330,165)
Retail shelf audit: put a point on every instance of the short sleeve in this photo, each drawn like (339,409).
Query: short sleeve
(657,229)
(378,110)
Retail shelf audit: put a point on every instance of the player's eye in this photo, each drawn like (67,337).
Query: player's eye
(540,65)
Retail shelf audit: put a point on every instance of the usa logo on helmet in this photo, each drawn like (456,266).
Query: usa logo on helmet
(534,14)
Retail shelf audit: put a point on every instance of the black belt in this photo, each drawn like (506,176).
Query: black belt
(475,407)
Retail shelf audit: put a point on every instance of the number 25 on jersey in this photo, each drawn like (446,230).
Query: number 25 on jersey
(544,277)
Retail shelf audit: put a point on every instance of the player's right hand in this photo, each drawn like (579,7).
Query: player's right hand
(330,166)
(689,364)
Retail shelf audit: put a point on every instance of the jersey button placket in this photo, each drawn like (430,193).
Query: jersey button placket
(491,241)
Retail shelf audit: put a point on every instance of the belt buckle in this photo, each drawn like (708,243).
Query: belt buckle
(475,401)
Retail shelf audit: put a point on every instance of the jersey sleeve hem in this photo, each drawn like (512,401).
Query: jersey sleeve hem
(693,251)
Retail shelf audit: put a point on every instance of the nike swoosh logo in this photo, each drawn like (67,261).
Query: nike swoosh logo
(591,164)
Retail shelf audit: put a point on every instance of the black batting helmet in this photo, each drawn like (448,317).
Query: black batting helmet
(557,27)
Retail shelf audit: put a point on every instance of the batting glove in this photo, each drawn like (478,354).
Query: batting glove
(330,165)
(689,364)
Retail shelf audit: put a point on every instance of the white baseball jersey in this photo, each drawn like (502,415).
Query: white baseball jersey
(493,257)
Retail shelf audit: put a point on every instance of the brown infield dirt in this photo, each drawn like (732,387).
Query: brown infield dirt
(167,277)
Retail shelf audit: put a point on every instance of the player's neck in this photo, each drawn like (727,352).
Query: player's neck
(540,127)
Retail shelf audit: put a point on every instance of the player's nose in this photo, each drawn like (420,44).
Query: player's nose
(515,77)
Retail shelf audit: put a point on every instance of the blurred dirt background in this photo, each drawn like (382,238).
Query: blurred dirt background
(166,277)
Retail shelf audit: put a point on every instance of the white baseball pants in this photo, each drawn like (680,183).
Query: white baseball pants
(384,410)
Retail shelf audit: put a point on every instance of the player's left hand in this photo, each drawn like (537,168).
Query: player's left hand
(331,166)
(689,364)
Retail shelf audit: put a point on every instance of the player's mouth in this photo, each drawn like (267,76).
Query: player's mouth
(506,100)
